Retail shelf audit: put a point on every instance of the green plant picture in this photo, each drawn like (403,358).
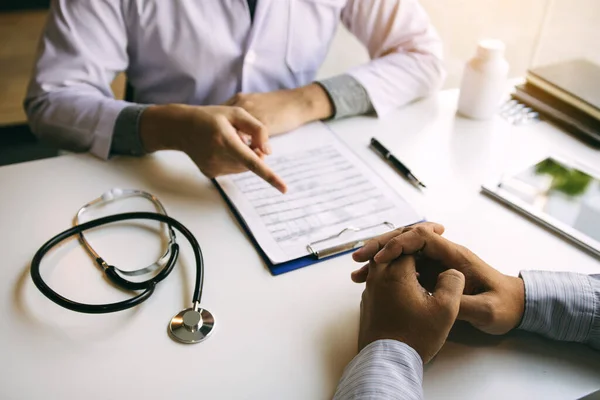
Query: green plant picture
(565,180)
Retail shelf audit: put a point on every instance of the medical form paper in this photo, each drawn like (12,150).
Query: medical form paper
(330,189)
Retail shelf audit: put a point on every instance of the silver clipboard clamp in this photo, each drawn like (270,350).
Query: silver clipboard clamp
(340,248)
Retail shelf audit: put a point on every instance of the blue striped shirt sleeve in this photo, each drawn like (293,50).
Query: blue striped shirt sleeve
(562,306)
(385,369)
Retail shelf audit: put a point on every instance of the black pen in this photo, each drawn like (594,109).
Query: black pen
(397,164)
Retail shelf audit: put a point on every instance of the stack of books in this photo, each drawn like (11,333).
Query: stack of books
(567,94)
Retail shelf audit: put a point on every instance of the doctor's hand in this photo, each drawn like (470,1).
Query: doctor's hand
(283,110)
(214,137)
(396,306)
(492,302)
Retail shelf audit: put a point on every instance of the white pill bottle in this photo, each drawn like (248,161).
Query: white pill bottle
(484,81)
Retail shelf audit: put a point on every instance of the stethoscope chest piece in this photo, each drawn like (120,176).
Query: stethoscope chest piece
(191,325)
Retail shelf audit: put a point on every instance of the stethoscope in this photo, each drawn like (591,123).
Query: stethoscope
(191,325)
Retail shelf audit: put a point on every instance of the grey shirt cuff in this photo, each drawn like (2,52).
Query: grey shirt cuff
(348,97)
(562,306)
(126,137)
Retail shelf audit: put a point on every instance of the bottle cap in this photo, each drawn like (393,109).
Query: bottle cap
(490,49)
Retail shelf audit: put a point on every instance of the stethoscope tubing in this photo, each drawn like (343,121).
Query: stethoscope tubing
(147,286)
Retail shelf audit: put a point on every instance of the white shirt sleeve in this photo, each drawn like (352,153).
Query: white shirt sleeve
(69,100)
(385,369)
(405,51)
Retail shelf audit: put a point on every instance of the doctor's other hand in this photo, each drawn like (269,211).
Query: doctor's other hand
(492,302)
(284,110)
(395,306)
(212,136)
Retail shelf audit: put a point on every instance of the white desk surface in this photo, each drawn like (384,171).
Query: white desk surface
(285,337)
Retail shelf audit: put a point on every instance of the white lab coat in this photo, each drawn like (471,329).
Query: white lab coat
(204,51)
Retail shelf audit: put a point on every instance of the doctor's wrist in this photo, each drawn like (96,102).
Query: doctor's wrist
(314,102)
(159,127)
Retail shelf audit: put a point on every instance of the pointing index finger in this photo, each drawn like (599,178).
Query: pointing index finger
(254,163)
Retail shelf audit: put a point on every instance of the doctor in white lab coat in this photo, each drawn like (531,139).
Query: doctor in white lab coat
(190,61)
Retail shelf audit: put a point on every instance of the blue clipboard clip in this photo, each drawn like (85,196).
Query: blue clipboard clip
(344,247)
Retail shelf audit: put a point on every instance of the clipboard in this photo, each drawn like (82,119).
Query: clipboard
(316,255)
